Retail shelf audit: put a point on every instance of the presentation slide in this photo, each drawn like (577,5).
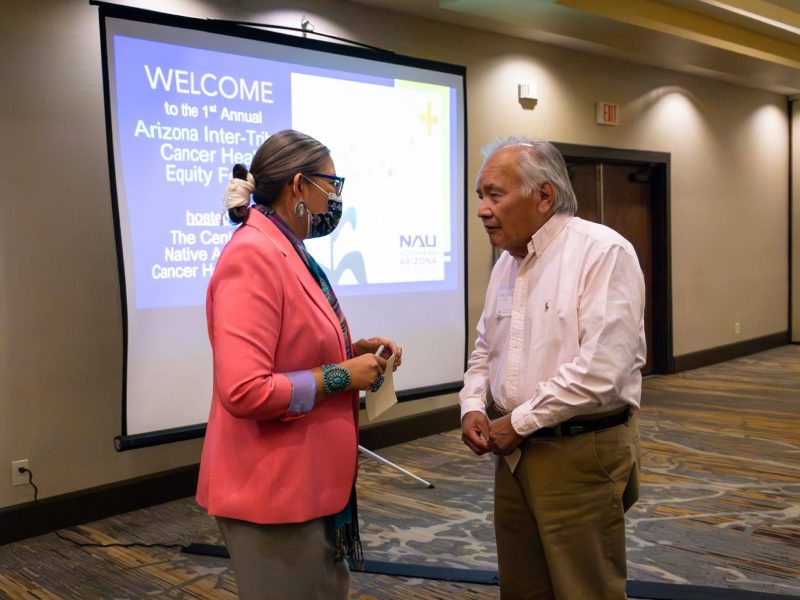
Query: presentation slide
(185,105)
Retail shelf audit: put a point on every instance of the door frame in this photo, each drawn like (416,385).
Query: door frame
(659,162)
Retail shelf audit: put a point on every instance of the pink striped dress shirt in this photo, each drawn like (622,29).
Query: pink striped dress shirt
(562,330)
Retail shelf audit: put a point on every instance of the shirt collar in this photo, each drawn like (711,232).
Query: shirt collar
(548,232)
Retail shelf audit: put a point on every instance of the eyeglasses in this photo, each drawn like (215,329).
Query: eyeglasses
(338,182)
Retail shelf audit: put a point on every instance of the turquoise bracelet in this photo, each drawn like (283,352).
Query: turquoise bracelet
(335,378)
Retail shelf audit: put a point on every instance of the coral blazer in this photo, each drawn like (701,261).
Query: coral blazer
(267,316)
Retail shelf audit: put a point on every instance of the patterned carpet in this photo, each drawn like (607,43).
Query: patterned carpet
(720,507)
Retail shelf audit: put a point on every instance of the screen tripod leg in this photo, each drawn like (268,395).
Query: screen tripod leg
(394,466)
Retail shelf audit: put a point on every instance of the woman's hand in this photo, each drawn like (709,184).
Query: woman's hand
(364,370)
(371,345)
(366,367)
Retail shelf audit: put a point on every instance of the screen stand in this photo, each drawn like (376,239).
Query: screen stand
(380,567)
(371,454)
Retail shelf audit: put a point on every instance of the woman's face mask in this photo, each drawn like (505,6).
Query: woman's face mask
(323,224)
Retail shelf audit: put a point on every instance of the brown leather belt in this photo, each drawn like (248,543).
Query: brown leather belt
(579,425)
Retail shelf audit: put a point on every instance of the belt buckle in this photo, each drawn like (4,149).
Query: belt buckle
(575,429)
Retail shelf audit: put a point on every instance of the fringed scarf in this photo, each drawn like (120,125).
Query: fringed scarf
(345,522)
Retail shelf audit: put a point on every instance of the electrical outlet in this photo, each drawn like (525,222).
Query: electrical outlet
(737,327)
(18,478)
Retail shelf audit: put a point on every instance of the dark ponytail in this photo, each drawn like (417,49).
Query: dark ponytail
(281,156)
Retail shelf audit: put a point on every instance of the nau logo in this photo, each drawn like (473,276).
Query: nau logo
(418,241)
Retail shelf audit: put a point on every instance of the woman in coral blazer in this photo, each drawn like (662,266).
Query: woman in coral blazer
(280,455)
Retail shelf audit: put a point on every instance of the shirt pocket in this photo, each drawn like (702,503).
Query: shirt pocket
(504,305)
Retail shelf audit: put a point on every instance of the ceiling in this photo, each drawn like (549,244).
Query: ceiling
(748,42)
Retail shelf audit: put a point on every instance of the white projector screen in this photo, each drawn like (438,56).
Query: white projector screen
(185,100)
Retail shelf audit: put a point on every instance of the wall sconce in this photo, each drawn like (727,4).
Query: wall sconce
(528,94)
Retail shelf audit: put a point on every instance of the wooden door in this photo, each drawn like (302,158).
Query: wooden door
(619,195)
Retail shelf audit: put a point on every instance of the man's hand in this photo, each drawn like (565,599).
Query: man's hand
(502,437)
(475,432)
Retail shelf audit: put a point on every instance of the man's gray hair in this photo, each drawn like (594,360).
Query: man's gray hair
(540,161)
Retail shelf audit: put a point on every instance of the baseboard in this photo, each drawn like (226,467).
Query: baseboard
(412,427)
(711,356)
(36,518)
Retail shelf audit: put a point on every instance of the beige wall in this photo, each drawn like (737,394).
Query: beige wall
(60,315)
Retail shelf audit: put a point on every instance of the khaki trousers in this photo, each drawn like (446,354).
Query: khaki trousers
(285,562)
(559,518)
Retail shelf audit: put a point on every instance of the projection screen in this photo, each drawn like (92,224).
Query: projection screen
(188,98)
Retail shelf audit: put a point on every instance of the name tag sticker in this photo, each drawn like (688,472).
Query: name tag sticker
(505,301)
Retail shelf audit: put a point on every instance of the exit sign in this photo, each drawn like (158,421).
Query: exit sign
(607,113)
